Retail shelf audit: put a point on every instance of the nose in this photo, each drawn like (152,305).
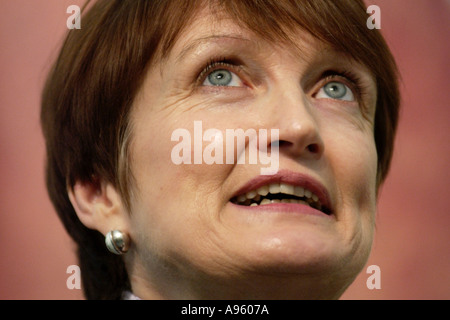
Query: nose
(290,111)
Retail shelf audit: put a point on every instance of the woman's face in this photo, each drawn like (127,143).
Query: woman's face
(194,233)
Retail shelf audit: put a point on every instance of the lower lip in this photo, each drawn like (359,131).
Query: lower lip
(289,208)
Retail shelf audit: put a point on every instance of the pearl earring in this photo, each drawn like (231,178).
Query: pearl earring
(117,242)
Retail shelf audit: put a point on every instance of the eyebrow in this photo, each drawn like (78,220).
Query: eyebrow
(211,38)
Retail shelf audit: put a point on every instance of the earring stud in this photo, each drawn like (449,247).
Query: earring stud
(117,242)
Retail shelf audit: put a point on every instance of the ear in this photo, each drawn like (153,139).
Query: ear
(99,206)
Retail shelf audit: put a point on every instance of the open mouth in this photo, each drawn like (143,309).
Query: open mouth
(281,193)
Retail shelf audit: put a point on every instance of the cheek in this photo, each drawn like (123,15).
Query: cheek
(353,159)
(360,167)
(351,152)
(357,160)
(350,148)
(172,199)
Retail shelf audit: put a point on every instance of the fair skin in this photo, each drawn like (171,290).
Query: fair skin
(189,240)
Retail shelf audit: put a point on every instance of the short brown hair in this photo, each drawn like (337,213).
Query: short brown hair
(87,98)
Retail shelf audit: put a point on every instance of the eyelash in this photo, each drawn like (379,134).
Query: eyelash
(350,78)
(214,63)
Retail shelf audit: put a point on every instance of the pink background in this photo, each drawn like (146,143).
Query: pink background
(411,244)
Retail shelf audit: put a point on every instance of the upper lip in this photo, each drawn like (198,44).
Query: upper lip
(291,178)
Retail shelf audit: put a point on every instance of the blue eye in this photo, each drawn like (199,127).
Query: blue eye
(222,77)
(336,90)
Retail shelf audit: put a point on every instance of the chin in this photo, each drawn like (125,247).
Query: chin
(291,267)
(290,251)
(293,239)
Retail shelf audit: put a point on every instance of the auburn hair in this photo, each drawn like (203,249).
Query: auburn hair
(90,90)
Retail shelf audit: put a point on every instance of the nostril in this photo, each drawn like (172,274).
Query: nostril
(313,148)
(283,143)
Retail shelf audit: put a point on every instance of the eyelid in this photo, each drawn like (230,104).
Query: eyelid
(351,80)
(216,64)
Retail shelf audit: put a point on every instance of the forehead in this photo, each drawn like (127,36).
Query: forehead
(217,27)
(339,25)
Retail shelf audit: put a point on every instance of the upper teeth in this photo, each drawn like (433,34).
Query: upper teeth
(276,188)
